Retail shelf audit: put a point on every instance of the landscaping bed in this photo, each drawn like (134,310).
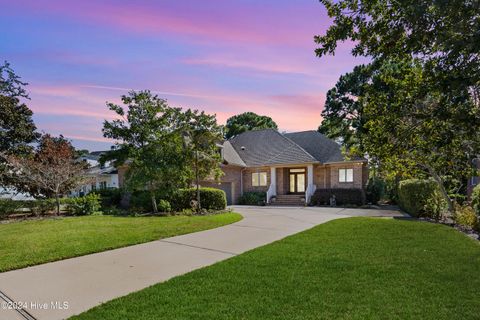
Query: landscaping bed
(356,268)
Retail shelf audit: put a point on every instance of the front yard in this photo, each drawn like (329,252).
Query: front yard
(29,243)
(357,268)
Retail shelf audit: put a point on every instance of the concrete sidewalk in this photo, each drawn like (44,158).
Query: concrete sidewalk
(64,288)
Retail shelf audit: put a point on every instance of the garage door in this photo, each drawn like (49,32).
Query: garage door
(225,186)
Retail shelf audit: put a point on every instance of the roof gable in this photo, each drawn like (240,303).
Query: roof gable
(318,145)
(268,147)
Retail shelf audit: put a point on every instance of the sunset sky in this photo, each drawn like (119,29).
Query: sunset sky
(225,57)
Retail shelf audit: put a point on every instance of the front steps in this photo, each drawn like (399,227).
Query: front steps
(289,200)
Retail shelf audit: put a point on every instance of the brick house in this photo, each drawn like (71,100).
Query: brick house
(288,167)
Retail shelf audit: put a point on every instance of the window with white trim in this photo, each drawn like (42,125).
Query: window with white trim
(345,175)
(259,179)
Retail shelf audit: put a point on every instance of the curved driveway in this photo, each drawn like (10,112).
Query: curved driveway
(87,281)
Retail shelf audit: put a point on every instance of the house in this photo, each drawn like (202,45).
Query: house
(103,176)
(289,167)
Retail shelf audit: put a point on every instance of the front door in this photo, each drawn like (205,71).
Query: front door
(297,180)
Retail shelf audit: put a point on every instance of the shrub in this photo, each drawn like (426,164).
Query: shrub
(85,205)
(141,201)
(210,198)
(343,196)
(8,207)
(254,198)
(41,207)
(413,195)
(435,206)
(476,199)
(465,216)
(375,190)
(110,197)
(391,190)
(164,206)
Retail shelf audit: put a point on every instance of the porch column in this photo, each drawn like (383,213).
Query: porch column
(273,181)
(310,175)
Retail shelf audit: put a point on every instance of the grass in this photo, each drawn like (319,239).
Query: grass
(357,268)
(29,243)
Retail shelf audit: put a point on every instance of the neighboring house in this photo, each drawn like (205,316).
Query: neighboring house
(475,180)
(102,176)
(288,167)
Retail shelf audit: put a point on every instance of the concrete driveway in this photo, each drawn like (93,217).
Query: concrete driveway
(64,288)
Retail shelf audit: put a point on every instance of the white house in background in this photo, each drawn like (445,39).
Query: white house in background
(103,176)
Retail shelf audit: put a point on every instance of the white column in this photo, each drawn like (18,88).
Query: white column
(273,181)
(310,175)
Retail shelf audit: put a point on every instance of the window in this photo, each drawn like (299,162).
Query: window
(345,175)
(259,179)
(103,185)
(93,187)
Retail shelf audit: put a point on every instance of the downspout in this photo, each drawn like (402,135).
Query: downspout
(241,180)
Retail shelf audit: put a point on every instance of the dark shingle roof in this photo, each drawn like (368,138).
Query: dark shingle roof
(319,146)
(231,156)
(268,147)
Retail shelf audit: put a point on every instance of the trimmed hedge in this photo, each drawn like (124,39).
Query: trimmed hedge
(414,194)
(86,205)
(343,196)
(210,198)
(254,198)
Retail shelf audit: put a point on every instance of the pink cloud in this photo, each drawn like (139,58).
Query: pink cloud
(214,20)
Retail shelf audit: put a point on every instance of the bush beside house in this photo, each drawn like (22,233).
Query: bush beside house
(343,196)
(415,194)
(253,198)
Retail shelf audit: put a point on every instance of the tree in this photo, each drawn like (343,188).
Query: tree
(343,117)
(443,34)
(412,125)
(247,121)
(17,129)
(52,171)
(10,83)
(201,136)
(150,142)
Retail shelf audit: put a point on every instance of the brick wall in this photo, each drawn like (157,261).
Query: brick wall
(247,179)
(358,175)
(231,176)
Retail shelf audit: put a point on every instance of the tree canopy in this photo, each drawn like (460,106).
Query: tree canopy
(164,147)
(416,109)
(343,118)
(247,121)
(443,34)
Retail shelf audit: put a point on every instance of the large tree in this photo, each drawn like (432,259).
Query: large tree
(201,137)
(247,121)
(51,171)
(17,129)
(411,126)
(444,34)
(163,146)
(343,118)
(421,109)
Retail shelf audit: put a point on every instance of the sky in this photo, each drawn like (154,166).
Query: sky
(222,56)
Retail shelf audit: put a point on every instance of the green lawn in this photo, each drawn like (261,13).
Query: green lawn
(29,243)
(357,268)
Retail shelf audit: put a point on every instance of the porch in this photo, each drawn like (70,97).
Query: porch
(291,185)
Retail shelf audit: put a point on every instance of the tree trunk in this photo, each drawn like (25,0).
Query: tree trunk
(197,182)
(57,201)
(443,191)
(154,203)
